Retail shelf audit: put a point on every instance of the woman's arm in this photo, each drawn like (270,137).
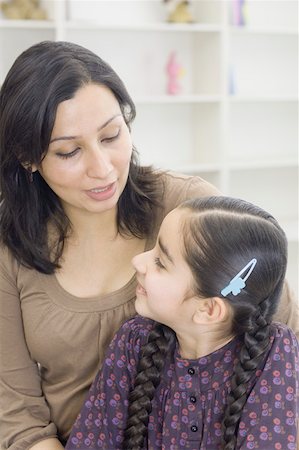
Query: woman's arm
(47,444)
(24,413)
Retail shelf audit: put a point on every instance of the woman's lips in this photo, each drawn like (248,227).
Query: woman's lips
(102,193)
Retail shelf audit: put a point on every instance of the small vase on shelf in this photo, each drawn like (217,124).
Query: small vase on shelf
(174,71)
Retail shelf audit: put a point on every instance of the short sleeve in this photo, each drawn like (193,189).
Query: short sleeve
(24,414)
(269,419)
(189,187)
(178,188)
(197,187)
(102,419)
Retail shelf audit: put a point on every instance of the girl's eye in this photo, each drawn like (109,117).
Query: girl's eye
(68,155)
(112,138)
(159,264)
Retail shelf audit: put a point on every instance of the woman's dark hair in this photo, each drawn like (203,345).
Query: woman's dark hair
(42,77)
(221,235)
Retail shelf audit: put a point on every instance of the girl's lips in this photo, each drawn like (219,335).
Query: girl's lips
(102,193)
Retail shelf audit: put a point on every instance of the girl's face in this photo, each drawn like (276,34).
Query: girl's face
(88,159)
(164,290)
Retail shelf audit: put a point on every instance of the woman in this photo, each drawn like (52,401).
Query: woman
(75,209)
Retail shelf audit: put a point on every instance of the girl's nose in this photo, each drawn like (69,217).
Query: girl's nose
(139,262)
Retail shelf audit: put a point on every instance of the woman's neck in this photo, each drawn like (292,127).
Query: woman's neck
(101,226)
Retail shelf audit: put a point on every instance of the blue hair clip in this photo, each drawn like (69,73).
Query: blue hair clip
(237,283)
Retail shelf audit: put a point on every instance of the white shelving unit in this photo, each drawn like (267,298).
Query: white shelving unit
(235,120)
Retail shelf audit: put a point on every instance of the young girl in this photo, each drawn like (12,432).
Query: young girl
(204,367)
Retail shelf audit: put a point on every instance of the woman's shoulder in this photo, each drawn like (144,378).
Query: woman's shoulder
(4,251)
(284,344)
(8,262)
(178,187)
(178,179)
(283,336)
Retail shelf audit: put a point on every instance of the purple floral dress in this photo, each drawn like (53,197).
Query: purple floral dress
(189,403)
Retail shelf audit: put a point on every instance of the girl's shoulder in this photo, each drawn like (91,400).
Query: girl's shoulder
(137,327)
(131,336)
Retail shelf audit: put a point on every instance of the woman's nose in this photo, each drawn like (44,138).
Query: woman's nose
(99,163)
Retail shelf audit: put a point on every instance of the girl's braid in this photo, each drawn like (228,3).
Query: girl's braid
(255,344)
(149,369)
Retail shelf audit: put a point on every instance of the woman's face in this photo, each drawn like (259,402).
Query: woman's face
(88,159)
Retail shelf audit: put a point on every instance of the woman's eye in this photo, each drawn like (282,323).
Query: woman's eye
(68,155)
(159,264)
(111,138)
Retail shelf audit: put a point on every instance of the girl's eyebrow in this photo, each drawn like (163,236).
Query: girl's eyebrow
(165,251)
(67,138)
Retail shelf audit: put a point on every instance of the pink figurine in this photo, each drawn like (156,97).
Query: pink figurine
(174,71)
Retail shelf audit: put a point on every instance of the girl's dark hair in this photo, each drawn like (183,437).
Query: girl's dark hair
(42,77)
(221,235)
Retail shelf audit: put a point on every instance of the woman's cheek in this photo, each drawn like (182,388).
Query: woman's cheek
(124,158)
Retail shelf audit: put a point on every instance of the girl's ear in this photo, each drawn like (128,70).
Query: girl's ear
(210,310)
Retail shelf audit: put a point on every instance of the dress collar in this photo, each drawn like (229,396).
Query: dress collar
(211,370)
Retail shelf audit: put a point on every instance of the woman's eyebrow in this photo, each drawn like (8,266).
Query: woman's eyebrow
(165,251)
(67,138)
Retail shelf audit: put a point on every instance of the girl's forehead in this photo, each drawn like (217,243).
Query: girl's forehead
(171,230)
(174,220)
(171,221)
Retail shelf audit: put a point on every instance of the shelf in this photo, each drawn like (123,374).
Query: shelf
(263,164)
(261,99)
(27,24)
(143,27)
(242,166)
(176,99)
(197,168)
(267,31)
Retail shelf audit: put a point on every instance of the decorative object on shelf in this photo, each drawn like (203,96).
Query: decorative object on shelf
(174,71)
(238,13)
(179,11)
(23,9)
(231,80)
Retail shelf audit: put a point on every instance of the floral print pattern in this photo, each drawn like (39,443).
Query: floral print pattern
(190,401)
